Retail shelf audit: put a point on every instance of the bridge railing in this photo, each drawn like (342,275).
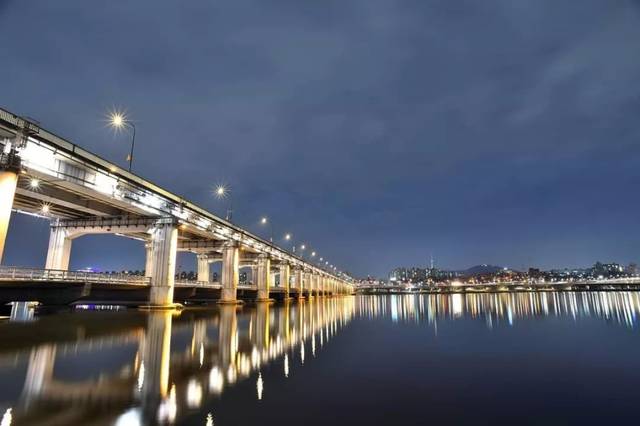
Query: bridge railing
(33,274)
(212,284)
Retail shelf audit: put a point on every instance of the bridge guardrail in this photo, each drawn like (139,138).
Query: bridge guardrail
(33,274)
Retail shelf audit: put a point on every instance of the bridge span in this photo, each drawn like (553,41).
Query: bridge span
(80,193)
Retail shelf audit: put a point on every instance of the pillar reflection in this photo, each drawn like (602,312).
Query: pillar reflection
(174,366)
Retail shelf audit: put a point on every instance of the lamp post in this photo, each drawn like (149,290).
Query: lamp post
(222,192)
(119,121)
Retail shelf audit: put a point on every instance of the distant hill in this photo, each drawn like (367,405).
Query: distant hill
(481,270)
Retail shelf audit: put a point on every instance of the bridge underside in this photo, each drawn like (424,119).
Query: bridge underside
(57,293)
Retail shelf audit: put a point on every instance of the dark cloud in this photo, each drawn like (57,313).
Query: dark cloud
(378,131)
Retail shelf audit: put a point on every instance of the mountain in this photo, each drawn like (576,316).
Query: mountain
(482,270)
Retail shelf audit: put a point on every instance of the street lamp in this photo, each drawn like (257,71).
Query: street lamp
(222,192)
(265,221)
(119,121)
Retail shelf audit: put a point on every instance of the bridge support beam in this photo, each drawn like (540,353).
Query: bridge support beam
(263,279)
(8,184)
(297,281)
(59,251)
(285,278)
(164,242)
(203,268)
(308,282)
(230,272)
(148,265)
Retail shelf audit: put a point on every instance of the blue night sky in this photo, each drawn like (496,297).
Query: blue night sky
(379,132)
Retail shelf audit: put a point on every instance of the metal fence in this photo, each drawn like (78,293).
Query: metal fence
(32,274)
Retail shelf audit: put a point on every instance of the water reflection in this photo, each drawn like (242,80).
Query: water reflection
(131,368)
(167,375)
(618,307)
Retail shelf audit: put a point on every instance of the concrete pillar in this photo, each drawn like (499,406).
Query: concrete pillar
(8,183)
(164,240)
(285,272)
(263,280)
(148,265)
(230,274)
(297,277)
(308,282)
(59,251)
(203,268)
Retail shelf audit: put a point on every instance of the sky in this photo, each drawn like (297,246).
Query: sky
(378,132)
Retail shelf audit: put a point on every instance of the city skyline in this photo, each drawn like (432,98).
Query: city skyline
(357,132)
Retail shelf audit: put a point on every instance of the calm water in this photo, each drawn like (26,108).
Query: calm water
(540,359)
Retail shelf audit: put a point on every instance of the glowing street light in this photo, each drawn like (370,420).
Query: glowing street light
(222,192)
(118,120)
(313,254)
(265,221)
(287,237)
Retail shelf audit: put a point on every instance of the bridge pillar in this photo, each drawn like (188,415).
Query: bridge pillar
(164,241)
(308,280)
(8,184)
(59,251)
(148,265)
(203,268)
(230,272)
(285,279)
(263,280)
(297,278)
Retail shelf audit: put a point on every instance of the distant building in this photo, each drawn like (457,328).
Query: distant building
(398,275)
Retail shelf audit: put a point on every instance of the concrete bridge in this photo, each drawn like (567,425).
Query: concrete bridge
(80,193)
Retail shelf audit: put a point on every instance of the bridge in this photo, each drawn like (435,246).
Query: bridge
(80,194)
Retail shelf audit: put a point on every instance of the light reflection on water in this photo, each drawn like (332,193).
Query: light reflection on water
(171,365)
(162,379)
(619,307)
